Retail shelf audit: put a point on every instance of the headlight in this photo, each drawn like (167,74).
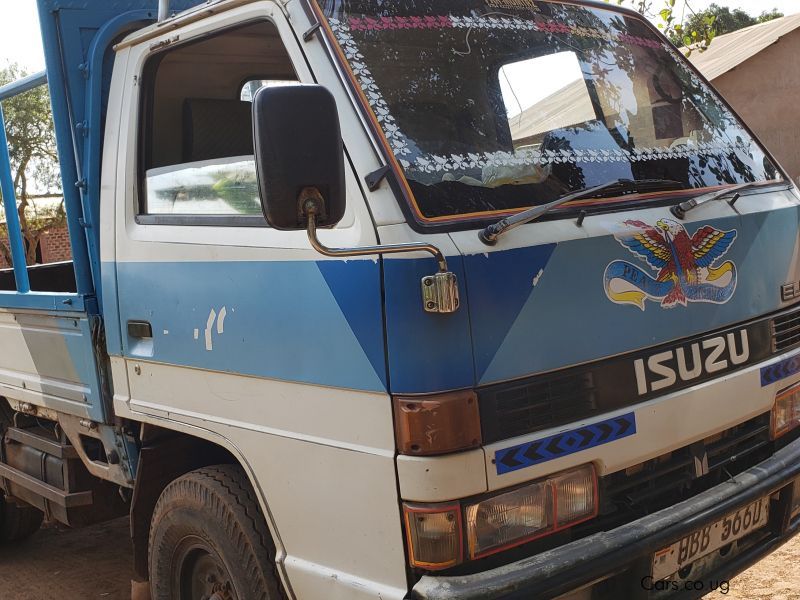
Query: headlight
(509,519)
(530,512)
(786,413)
(500,521)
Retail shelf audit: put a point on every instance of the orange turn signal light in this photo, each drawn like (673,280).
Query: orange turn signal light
(434,534)
(438,424)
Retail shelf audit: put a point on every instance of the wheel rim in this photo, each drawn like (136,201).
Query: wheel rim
(200,572)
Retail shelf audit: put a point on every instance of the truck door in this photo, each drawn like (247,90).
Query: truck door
(203,283)
(239,333)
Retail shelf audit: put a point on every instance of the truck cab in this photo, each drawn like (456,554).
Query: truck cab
(433,300)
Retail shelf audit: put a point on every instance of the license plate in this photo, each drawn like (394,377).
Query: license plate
(710,539)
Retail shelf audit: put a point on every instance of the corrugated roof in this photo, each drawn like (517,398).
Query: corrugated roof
(730,50)
(568,106)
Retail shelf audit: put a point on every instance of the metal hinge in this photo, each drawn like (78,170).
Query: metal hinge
(440,293)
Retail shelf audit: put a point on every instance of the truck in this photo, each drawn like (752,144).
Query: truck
(402,300)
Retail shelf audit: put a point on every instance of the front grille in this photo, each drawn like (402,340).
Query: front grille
(510,410)
(549,400)
(786,331)
(672,478)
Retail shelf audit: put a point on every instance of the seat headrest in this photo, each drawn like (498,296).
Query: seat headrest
(216,129)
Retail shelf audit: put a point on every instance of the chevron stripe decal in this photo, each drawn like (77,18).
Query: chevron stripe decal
(779,371)
(515,458)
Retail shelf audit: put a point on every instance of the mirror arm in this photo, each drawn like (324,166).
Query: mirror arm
(439,292)
(311,208)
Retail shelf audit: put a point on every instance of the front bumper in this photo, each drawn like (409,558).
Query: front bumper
(594,558)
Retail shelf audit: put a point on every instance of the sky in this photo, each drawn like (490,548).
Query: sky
(20,40)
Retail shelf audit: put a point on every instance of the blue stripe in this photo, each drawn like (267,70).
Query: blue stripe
(298,321)
(556,446)
(780,371)
(80,347)
(426,352)
(494,312)
(568,319)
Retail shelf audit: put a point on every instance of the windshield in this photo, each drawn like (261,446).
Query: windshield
(501,105)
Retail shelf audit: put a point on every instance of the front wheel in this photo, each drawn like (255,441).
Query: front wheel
(209,540)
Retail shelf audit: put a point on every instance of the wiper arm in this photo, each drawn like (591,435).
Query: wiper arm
(489,235)
(680,210)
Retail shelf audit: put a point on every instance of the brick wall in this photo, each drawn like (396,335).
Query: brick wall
(54,245)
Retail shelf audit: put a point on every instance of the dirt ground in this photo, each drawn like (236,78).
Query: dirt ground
(64,564)
(95,563)
(775,578)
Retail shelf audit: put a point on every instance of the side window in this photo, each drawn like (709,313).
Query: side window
(250,88)
(196,140)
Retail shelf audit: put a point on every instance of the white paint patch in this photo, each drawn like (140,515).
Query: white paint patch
(209,324)
(221,320)
(166,332)
(538,277)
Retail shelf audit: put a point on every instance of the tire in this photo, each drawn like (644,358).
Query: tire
(18,521)
(208,539)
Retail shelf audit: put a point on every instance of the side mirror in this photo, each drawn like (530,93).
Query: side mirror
(300,166)
(298,146)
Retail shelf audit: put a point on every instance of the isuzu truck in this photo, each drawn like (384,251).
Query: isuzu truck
(402,300)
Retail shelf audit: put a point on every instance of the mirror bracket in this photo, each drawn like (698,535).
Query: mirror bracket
(439,291)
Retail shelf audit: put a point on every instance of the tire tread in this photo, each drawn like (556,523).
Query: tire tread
(224,493)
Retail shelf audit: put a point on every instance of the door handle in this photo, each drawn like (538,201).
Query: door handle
(141,330)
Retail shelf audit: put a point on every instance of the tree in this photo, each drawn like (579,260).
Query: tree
(699,28)
(34,162)
(770,15)
(724,20)
(670,24)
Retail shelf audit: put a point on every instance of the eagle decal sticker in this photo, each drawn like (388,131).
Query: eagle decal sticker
(687,269)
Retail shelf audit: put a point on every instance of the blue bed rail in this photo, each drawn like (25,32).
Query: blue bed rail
(15,240)
(24,297)
(78,38)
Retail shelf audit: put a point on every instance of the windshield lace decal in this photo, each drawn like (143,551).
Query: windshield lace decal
(455,162)
(431,163)
(355,59)
(510,23)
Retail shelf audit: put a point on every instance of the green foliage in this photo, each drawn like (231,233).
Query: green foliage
(696,29)
(669,22)
(34,160)
(769,15)
(724,20)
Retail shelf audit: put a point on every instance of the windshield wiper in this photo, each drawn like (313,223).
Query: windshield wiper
(680,210)
(489,235)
